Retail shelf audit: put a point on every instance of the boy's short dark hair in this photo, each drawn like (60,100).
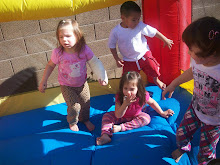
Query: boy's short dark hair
(128,7)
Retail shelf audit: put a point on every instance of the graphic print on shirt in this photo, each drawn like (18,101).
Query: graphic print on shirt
(69,69)
(64,72)
(206,93)
(75,69)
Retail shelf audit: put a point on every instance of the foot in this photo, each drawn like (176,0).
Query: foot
(159,83)
(103,140)
(116,128)
(177,154)
(89,125)
(74,127)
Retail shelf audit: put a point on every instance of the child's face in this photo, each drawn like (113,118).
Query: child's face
(132,20)
(206,61)
(130,88)
(66,37)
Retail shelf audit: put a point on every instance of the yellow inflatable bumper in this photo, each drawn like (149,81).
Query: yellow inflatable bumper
(14,10)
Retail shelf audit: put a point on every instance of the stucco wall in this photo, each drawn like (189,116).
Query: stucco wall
(201,8)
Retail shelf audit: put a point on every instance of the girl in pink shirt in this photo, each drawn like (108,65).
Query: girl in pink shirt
(71,57)
(128,114)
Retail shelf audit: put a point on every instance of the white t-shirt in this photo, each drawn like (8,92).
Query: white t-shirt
(206,94)
(132,43)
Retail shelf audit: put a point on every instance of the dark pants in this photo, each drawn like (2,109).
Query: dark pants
(78,102)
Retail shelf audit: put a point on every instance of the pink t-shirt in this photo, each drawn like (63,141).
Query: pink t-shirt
(133,109)
(72,69)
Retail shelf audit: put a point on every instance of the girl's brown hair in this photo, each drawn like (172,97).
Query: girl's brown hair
(204,33)
(131,76)
(80,44)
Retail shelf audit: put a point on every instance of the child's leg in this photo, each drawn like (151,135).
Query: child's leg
(108,120)
(139,121)
(208,141)
(177,154)
(130,66)
(70,97)
(105,138)
(159,83)
(151,67)
(89,125)
(184,133)
(74,127)
(84,101)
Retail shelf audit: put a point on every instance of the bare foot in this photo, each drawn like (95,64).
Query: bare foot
(89,125)
(116,128)
(103,140)
(74,127)
(159,83)
(177,154)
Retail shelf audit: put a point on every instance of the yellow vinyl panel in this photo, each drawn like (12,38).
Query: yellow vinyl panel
(189,86)
(14,10)
(34,99)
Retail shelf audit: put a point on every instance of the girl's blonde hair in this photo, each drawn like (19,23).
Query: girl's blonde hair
(80,44)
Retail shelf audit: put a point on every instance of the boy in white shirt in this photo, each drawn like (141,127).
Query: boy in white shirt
(130,37)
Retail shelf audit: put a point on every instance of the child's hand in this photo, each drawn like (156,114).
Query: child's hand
(102,83)
(168,43)
(169,89)
(167,113)
(119,62)
(129,99)
(42,87)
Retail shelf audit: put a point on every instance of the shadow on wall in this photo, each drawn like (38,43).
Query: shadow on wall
(23,81)
(19,93)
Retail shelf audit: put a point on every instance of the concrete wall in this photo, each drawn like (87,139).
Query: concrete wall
(201,8)
(25,46)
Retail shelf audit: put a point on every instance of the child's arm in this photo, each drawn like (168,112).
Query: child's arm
(119,61)
(120,110)
(186,76)
(99,70)
(47,72)
(165,40)
(158,109)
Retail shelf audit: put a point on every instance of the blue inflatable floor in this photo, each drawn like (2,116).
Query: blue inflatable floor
(42,136)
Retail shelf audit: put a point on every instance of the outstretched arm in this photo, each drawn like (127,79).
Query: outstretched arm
(186,76)
(158,109)
(166,41)
(47,72)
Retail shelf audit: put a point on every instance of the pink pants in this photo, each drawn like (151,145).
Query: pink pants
(109,119)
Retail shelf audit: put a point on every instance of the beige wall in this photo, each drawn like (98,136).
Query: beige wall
(25,46)
(201,8)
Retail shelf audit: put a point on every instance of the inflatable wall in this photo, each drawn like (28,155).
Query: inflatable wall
(170,17)
(14,10)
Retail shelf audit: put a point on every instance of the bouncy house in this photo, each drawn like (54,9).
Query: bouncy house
(42,136)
